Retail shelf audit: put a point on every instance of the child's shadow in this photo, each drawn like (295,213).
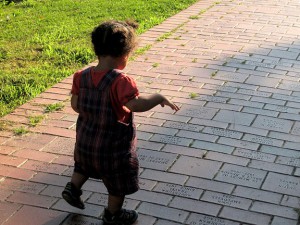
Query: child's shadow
(74,219)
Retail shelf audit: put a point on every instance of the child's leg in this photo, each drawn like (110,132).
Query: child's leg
(72,191)
(115,203)
(115,214)
(78,180)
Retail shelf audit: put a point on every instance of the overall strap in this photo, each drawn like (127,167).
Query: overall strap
(86,81)
(109,77)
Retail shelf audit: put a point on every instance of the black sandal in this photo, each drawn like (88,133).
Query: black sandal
(72,195)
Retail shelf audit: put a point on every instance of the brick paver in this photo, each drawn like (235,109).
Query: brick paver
(229,156)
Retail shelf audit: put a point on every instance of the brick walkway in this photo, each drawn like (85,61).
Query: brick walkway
(230,156)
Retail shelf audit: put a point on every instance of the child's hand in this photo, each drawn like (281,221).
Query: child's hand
(170,104)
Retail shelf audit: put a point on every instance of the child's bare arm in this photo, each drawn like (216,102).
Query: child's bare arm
(145,103)
(74,100)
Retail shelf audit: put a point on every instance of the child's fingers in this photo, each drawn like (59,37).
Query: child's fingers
(175,107)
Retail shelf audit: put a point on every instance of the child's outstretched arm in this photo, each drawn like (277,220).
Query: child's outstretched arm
(145,103)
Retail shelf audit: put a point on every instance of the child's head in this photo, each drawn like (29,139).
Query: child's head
(114,38)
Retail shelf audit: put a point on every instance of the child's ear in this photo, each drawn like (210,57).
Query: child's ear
(126,57)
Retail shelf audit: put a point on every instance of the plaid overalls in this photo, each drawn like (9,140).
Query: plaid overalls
(105,148)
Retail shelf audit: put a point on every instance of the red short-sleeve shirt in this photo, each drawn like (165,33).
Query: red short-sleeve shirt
(123,90)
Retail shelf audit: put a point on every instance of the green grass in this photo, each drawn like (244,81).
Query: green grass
(54,107)
(35,120)
(20,130)
(193,95)
(44,41)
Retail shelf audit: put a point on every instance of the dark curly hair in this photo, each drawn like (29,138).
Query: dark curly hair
(114,38)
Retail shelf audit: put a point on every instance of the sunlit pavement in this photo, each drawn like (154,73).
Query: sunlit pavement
(229,156)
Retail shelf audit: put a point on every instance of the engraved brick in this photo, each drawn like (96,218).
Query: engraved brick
(241,175)
(196,167)
(254,93)
(176,118)
(256,194)
(275,124)
(226,199)
(199,219)
(171,140)
(288,161)
(178,190)
(282,184)
(263,140)
(254,155)
(198,112)
(223,132)
(155,160)
(183,126)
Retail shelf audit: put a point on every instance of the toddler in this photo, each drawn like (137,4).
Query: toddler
(105,98)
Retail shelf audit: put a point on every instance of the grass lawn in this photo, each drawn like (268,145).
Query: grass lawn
(44,41)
